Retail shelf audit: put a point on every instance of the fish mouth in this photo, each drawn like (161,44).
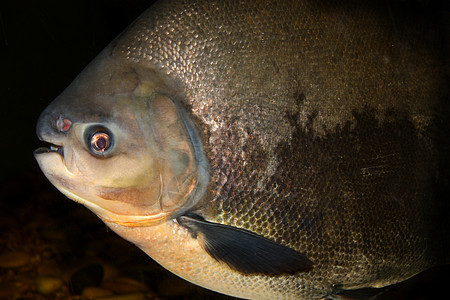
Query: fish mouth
(51,148)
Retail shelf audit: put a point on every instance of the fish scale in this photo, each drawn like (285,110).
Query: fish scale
(262,149)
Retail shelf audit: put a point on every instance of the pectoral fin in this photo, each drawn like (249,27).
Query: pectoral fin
(243,250)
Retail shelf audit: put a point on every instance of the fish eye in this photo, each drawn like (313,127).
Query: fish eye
(99,140)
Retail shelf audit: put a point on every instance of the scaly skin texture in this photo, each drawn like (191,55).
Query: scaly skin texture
(316,120)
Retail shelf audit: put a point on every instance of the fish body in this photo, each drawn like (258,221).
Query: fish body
(261,149)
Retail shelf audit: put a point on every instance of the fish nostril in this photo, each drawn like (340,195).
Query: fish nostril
(63,124)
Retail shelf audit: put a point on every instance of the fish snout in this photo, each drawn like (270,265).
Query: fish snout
(50,128)
(43,126)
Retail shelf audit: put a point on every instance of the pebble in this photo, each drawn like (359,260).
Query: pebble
(174,287)
(9,290)
(25,279)
(14,259)
(124,285)
(48,284)
(130,296)
(93,292)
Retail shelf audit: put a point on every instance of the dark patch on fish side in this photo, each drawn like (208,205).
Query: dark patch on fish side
(359,194)
(365,174)
(243,250)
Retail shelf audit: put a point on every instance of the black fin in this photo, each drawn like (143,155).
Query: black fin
(243,250)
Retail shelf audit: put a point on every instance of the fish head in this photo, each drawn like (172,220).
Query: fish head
(119,145)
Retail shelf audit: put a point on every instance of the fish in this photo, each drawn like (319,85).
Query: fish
(261,149)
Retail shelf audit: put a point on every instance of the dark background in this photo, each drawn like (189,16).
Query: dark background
(44,45)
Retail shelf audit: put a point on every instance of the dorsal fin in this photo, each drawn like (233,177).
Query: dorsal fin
(243,250)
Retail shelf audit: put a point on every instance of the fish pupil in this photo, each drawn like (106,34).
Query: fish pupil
(100,142)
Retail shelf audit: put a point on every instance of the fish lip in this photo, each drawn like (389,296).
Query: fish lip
(52,148)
